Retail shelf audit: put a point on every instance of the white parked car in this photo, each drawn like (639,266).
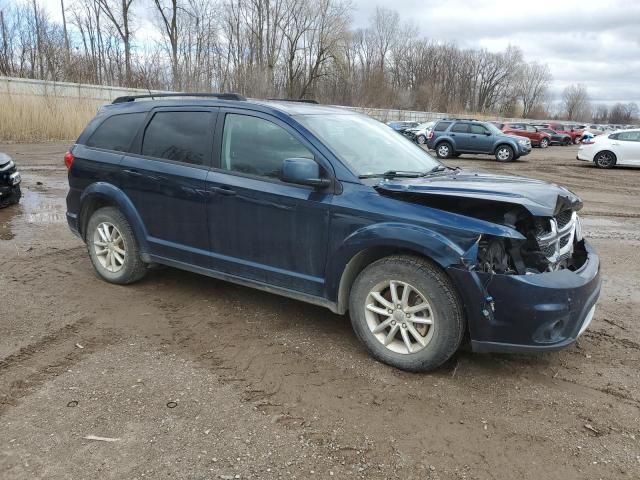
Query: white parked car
(617,148)
(422,131)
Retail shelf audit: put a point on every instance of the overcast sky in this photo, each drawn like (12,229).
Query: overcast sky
(593,42)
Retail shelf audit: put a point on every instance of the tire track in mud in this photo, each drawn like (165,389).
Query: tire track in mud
(25,371)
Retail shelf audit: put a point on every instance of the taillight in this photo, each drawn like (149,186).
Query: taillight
(430,135)
(68,160)
(588,142)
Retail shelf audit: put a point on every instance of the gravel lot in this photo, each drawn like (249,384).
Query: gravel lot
(266,387)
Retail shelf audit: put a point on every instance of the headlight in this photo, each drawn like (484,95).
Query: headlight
(523,141)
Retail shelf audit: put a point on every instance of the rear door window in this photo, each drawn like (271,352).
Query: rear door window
(117,132)
(179,136)
(460,128)
(442,126)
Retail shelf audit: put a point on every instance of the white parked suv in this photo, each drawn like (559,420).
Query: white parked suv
(617,148)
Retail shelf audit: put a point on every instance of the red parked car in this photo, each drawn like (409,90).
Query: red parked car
(574,133)
(538,138)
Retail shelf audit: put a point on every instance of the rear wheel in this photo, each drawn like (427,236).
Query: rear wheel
(407,313)
(113,248)
(504,153)
(421,139)
(605,160)
(576,140)
(566,142)
(444,150)
(544,143)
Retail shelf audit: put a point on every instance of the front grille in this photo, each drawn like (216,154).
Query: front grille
(556,236)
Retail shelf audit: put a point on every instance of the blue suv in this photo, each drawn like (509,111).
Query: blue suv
(333,208)
(451,138)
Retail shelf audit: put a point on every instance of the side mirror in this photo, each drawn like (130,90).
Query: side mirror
(303,171)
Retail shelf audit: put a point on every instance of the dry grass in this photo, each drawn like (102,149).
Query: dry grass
(27,118)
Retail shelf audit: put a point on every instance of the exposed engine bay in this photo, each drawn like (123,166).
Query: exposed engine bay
(551,243)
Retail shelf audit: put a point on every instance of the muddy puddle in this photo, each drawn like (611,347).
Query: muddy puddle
(42,203)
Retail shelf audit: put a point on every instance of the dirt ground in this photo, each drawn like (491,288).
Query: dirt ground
(266,387)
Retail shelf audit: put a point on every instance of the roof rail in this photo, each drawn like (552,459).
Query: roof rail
(299,100)
(460,119)
(221,96)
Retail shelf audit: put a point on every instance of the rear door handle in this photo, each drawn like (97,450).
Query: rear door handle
(223,191)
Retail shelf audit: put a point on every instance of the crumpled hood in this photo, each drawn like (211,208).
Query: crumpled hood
(539,197)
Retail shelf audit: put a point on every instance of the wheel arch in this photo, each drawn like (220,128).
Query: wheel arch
(606,150)
(102,194)
(358,253)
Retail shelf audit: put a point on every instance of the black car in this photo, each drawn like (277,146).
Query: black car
(557,138)
(9,182)
(333,208)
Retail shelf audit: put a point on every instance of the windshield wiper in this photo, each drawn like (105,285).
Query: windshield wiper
(394,174)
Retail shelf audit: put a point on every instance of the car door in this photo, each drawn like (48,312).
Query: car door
(165,180)
(459,132)
(480,138)
(261,228)
(627,145)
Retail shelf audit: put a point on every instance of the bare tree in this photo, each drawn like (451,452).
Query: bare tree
(119,14)
(533,82)
(575,100)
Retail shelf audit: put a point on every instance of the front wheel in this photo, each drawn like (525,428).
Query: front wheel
(407,313)
(113,248)
(576,140)
(504,153)
(544,143)
(12,198)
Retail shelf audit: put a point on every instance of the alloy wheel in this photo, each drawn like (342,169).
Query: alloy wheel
(109,247)
(504,153)
(399,316)
(443,151)
(604,160)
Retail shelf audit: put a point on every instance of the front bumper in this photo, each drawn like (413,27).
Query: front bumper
(524,149)
(527,313)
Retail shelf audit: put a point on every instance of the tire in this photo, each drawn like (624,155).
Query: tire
(444,150)
(12,198)
(421,139)
(121,263)
(576,140)
(426,283)
(504,153)
(566,142)
(544,143)
(605,159)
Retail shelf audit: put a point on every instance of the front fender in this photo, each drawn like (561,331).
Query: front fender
(441,249)
(106,192)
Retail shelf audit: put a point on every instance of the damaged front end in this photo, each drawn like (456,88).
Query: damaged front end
(529,294)
(527,291)
(551,244)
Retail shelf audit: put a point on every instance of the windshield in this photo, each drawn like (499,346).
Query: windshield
(367,146)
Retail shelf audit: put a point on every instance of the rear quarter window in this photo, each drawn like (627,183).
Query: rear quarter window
(117,132)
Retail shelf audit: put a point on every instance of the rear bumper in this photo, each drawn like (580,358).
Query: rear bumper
(542,312)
